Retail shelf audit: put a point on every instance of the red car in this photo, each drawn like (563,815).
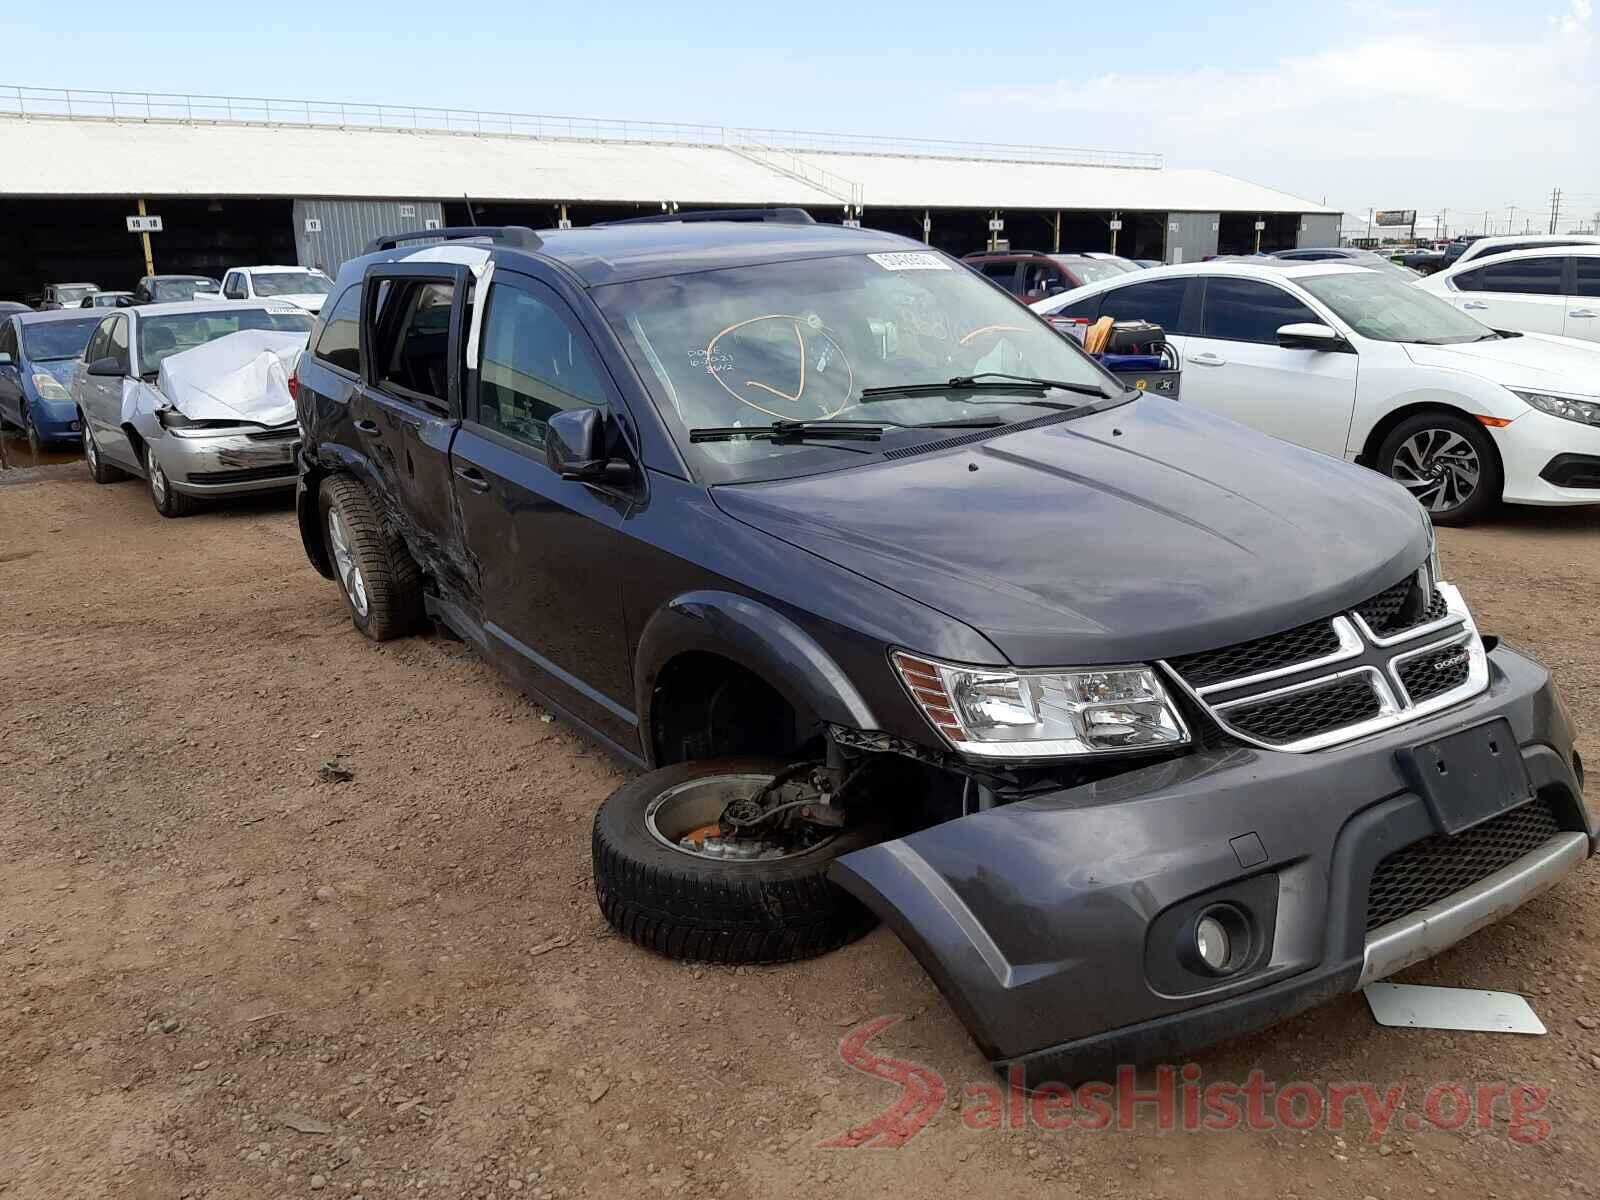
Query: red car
(1032,275)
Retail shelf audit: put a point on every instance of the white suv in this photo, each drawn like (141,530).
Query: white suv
(1542,290)
(1364,366)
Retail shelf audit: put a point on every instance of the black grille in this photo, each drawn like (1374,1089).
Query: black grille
(1430,674)
(1305,713)
(1315,639)
(1425,872)
(244,474)
(1401,607)
(281,434)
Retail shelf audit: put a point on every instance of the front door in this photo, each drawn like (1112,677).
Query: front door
(550,552)
(1583,304)
(1523,294)
(100,396)
(1235,367)
(408,407)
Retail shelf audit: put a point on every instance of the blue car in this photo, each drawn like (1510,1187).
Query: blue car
(38,356)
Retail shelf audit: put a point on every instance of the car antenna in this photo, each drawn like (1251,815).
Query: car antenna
(472,217)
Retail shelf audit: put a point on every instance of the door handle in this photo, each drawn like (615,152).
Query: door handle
(1207,359)
(473,478)
(1584,313)
(367,426)
(1474,305)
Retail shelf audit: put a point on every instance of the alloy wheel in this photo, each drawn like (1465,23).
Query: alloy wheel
(158,480)
(1439,467)
(344,561)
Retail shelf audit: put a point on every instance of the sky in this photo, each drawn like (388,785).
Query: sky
(1456,109)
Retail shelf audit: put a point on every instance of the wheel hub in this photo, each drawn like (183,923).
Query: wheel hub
(688,819)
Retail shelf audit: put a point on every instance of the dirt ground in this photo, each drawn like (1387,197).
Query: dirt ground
(204,944)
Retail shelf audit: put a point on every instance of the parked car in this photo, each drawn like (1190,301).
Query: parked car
(1351,255)
(1145,264)
(65,295)
(1554,291)
(135,423)
(1483,247)
(1127,264)
(908,607)
(1458,247)
(38,354)
(1424,260)
(13,306)
(300,286)
(1032,276)
(172,289)
(1381,373)
(108,300)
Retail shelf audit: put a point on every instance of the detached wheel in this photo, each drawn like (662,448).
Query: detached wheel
(1447,462)
(668,881)
(169,501)
(99,468)
(380,581)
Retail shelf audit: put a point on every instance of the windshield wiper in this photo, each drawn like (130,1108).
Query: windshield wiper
(987,381)
(791,431)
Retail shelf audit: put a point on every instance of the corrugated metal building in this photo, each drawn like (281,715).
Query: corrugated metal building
(255,181)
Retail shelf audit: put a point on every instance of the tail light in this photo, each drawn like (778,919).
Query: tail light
(294,384)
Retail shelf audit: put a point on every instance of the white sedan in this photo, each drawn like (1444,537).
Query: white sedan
(1539,290)
(1358,364)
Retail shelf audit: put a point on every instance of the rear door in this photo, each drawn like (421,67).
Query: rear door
(550,554)
(1583,301)
(1525,294)
(1041,278)
(1235,367)
(407,408)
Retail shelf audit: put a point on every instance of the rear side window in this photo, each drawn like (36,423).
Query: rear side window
(339,344)
(1089,307)
(1588,283)
(1003,273)
(1247,310)
(1525,276)
(1158,300)
(535,363)
(413,350)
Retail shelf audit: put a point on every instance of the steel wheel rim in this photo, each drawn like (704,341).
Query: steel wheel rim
(1439,467)
(344,561)
(690,807)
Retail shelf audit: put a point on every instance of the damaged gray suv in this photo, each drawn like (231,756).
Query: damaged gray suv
(1141,729)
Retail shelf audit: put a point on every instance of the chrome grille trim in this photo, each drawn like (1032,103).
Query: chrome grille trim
(1380,667)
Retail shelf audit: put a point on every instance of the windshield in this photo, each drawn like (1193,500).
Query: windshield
(75,293)
(747,346)
(292,283)
(49,341)
(1093,270)
(164,291)
(1386,309)
(162,337)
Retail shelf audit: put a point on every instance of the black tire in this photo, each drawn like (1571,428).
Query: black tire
(688,907)
(388,580)
(35,442)
(99,468)
(168,500)
(1440,429)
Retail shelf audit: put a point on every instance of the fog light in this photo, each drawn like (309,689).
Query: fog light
(1212,943)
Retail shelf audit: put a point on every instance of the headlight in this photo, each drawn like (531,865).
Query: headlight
(1584,411)
(997,713)
(49,387)
(174,421)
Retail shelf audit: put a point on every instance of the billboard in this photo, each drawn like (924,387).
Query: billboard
(1396,216)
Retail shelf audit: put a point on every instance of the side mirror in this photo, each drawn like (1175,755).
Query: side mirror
(575,448)
(1310,335)
(106,366)
(5,360)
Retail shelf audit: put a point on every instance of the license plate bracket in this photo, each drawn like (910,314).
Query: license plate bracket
(1469,776)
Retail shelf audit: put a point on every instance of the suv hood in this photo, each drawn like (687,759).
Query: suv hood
(1146,531)
(1533,360)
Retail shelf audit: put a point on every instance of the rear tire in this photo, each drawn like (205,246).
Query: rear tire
(379,579)
(99,468)
(1448,462)
(687,906)
(168,500)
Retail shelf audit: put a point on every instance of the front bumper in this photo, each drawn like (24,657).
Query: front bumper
(1047,922)
(236,464)
(1528,448)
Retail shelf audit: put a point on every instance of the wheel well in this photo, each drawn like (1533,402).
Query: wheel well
(1369,452)
(707,706)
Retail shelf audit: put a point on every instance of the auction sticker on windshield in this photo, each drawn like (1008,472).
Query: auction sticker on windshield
(910,261)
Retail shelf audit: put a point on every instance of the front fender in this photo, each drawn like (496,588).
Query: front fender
(758,638)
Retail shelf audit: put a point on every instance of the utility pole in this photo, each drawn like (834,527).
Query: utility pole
(1555,208)
(1369,225)
(1486,222)
(1511,220)
(1444,223)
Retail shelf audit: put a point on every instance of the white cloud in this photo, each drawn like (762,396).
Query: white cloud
(1417,111)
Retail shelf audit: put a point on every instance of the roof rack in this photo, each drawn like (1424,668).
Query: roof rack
(517,235)
(777,216)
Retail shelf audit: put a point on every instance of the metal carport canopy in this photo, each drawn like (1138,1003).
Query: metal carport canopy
(74,156)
